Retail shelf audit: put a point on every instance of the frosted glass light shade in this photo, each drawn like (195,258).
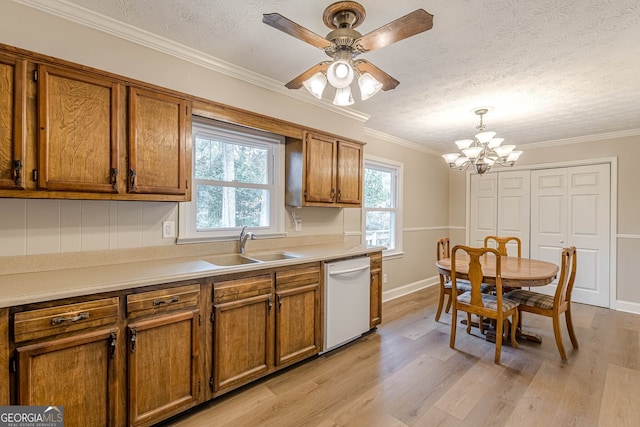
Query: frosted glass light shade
(316,84)
(451,157)
(485,137)
(464,143)
(461,161)
(514,156)
(343,97)
(504,150)
(369,86)
(472,152)
(340,74)
(495,142)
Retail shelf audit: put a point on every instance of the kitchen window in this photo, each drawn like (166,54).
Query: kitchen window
(238,180)
(383,204)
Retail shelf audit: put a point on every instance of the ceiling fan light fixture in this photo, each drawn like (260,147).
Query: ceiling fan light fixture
(343,97)
(340,74)
(316,84)
(368,85)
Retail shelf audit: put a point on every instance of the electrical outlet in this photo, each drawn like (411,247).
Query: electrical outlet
(384,279)
(168,229)
(298,225)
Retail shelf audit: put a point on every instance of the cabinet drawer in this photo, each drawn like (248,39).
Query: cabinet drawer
(46,322)
(163,300)
(231,290)
(306,274)
(376,261)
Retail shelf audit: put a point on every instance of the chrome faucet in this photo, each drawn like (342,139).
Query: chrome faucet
(243,238)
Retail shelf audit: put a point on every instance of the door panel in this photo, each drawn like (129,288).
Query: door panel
(571,207)
(484,202)
(514,197)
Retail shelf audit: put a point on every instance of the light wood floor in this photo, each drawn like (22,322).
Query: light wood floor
(405,374)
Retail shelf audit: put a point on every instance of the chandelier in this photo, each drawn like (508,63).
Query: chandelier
(340,73)
(482,152)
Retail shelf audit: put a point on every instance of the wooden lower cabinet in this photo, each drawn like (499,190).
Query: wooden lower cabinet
(67,356)
(163,353)
(298,328)
(375,307)
(242,331)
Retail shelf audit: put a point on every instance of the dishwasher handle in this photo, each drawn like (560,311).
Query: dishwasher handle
(349,270)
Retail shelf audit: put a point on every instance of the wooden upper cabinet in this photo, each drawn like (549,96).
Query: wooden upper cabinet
(13,96)
(322,170)
(78,131)
(349,179)
(158,129)
(321,166)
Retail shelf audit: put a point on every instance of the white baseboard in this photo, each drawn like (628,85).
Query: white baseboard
(629,307)
(409,288)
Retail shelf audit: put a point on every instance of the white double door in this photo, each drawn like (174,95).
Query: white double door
(571,207)
(549,209)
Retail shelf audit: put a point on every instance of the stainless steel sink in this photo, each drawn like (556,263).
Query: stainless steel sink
(229,259)
(272,256)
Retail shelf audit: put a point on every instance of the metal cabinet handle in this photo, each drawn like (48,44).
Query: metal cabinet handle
(60,320)
(17,172)
(112,344)
(157,302)
(132,179)
(114,179)
(132,340)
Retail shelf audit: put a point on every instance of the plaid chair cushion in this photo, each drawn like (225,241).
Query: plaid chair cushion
(490,301)
(465,285)
(532,299)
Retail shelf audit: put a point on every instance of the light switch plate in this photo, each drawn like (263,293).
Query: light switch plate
(168,229)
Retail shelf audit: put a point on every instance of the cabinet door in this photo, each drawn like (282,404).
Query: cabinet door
(13,98)
(77,372)
(243,341)
(321,164)
(375,307)
(157,143)
(297,323)
(349,179)
(78,131)
(163,366)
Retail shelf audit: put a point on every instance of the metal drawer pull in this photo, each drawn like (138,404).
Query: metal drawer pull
(60,320)
(157,302)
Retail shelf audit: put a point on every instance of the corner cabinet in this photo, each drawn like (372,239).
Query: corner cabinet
(322,170)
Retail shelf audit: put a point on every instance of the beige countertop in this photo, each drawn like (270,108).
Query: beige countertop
(38,286)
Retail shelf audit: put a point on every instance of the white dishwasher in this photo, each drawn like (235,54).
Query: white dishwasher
(346,301)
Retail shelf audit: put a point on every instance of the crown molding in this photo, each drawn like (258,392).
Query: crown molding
(399,141)
(585,138)
(80,15)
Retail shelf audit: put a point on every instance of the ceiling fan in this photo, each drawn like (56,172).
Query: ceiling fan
(343,44)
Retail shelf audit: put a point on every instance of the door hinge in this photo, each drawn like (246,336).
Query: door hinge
(199,386)
(34,175)
(199,319)
(211,383)
(133,340)
(14,365)
(35,75)
(213,316)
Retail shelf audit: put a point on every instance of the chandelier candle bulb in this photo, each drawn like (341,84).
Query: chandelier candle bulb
(482,152)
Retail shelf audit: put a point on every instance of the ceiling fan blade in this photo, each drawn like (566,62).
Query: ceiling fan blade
(409,25)
(286,25)
(387,81)
(296,83)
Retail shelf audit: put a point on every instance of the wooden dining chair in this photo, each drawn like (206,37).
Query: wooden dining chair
(553,306)
(484,305)
(443,251)
(501,243)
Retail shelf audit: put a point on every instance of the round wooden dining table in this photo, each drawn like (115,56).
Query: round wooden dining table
(516,273)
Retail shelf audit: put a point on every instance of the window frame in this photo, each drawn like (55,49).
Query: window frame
(397,168)
(235,134)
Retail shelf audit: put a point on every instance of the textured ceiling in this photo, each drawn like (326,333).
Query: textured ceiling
(551,69)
